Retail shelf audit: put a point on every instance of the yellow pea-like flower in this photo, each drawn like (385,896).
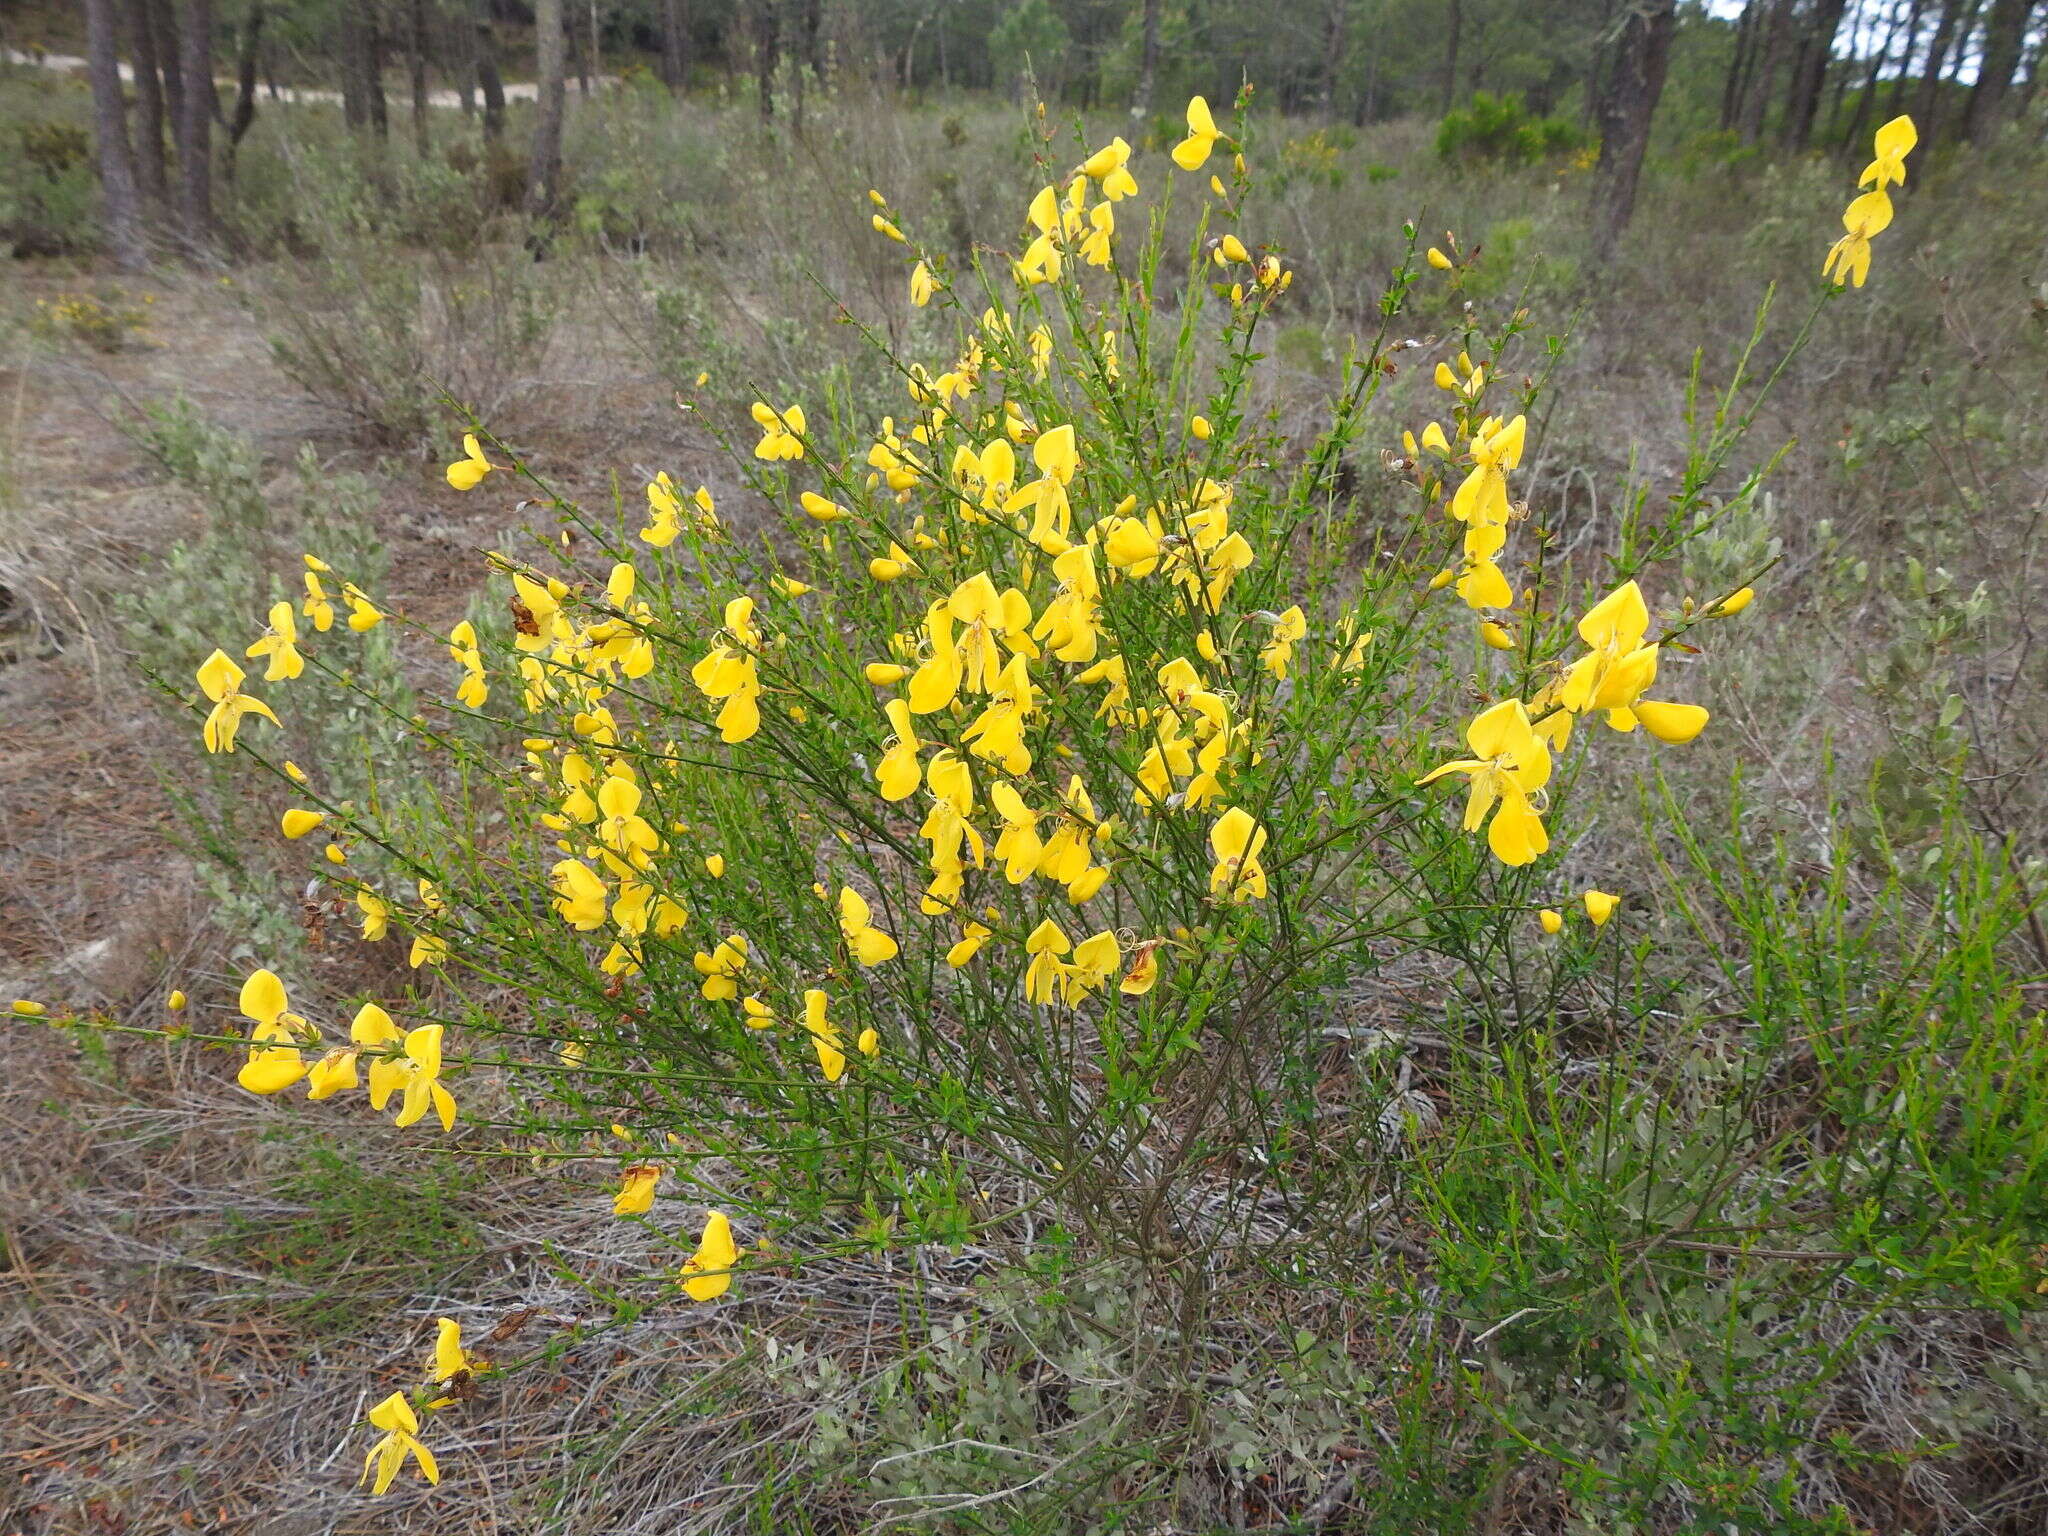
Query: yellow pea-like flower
(297,822)
(1600,906)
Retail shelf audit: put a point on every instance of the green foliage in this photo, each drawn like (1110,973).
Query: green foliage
(335,1232)
(1502,130)
(49,193)
(211,590)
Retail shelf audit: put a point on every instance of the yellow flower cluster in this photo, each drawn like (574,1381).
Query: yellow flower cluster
(402,1062)
(1512,741)
(1848,259)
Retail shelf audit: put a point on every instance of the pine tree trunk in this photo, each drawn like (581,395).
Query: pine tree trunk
(123,204)
(767,46)
(2005,35)
(1738,63)
(1810,72)
(418,60)
(244,115)
(1628,103)
(1763,80)
(1148,61)
(1897,95)
(164,25)
(544,168)
(1929,93)
(1454,23)
(151,168)
(195,123)
(675,45)
(489,82)
(1336,24)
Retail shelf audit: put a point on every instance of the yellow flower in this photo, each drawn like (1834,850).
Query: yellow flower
(28,1008)
(221,681)
(275,1062)
(450,1359)
(362,613)
(580,895)
(722,968)
(1551,919)
(1439,260)
(729,672)
(1734,602)
(1848,259)
(922,287)
(401,1439)
(1895,141)
(376,915)
(1096,959)
(416,1075)
(1046,971)
(898,774)
(820,508)
(1509,764)
(714,865)
(781,432)
(1619,668)
(1144,972)
(427,950)
(1237,840)
(1230,248)
(870,945)
(973,936)
(1109,165)
(371,1029)
(1600,906)
(1192,152)
(473,692)
(884,227)
(176,1001)
(465,473)
(1199,425)
(280,642)
(636,1190)
(1496,637)
(824,1036)
(708,1271)
(1288,629)
(296,823)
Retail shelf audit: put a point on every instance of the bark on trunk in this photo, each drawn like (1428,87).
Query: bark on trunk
(1148,61)
(1928,95)
(1763,79)
(195,123)
(164,23)
(1896,102)
(2005,36)
(151,168)
(417,15)
(123,204)
(1454,23)
(1810,72)
(489,82)
(1628,102)
(544,168)
(767,47)
(1867,98)
(675,45)
(244,115)
(1739,60)
(1336,25)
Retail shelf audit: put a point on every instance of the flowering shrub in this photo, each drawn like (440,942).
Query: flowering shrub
(970,837)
